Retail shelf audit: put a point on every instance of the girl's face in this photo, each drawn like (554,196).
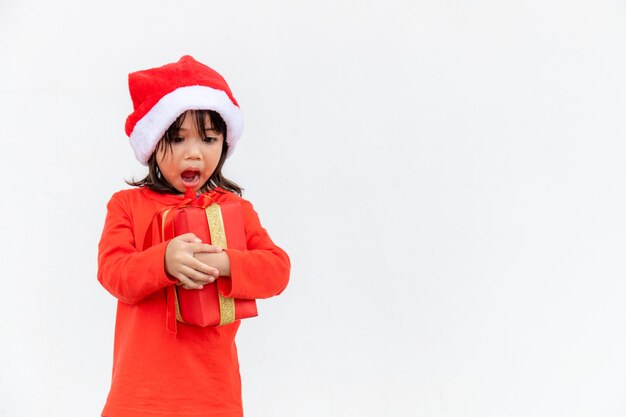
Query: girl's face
(193,156)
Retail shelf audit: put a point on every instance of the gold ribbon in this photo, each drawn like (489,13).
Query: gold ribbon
(218,238)
(165,213)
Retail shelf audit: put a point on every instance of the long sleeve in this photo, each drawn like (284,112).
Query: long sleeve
(262,270)
(123,269)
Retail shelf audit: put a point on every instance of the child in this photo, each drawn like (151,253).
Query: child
(185,124)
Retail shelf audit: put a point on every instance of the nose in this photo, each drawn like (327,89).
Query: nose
(192,150)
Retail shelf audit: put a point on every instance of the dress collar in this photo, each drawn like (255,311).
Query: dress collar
(171,199)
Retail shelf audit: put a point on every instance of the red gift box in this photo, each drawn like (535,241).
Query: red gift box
(217,224)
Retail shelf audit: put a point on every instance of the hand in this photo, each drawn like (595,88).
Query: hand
(219,260)
(180,262)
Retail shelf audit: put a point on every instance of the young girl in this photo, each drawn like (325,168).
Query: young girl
(185,124)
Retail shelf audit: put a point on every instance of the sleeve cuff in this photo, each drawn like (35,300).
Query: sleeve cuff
(228,286)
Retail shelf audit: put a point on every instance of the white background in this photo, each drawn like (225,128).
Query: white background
(448,178)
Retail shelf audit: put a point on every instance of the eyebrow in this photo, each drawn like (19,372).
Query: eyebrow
(208,128)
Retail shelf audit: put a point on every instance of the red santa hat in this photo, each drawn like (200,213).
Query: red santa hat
(162,94)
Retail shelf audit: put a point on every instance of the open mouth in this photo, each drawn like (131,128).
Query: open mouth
(190,177)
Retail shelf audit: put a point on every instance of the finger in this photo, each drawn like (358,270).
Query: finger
(205,247)
(187,288)
(187,282)
(205,269)
(197,276)
(190,237)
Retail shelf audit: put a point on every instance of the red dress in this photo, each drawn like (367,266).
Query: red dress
(195,372)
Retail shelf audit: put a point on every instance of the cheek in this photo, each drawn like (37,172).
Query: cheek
(216,159)
(219,151)
(166,164)
(165,159)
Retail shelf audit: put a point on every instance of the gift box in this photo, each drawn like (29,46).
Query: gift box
(217,224)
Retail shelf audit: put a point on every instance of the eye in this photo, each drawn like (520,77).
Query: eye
(177,139)
(209,139)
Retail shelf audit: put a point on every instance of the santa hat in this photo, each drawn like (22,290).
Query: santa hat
(162,94)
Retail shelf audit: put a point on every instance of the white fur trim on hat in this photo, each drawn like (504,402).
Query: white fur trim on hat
(151,128)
